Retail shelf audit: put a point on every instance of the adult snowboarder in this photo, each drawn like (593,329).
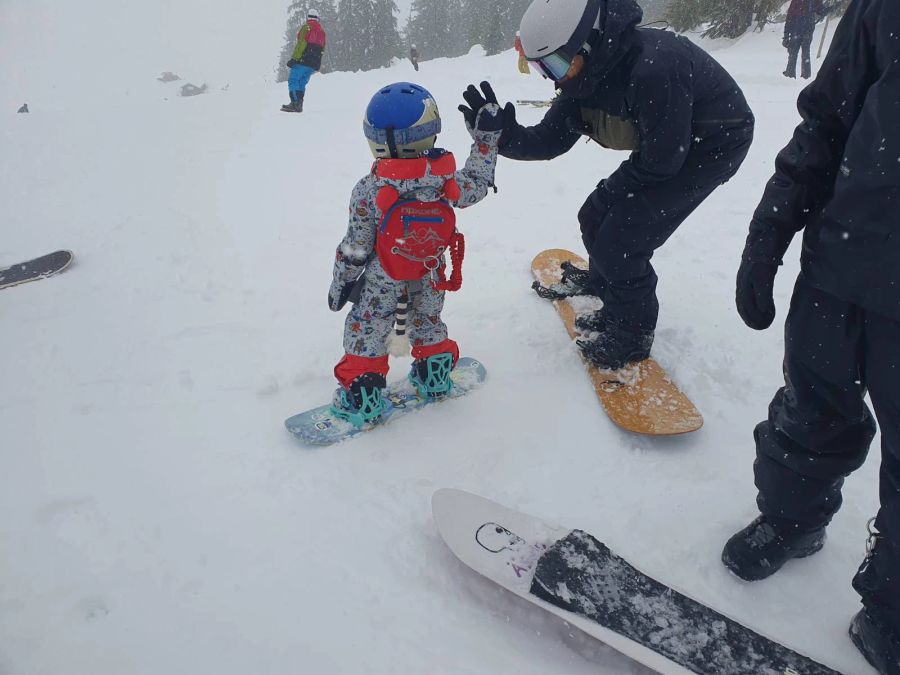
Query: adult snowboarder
(839,179)
(306,60)
(401,224)
(651,92)
(414,57)
(799,27)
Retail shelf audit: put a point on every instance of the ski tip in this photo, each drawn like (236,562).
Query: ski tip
(441,497)
(445,503)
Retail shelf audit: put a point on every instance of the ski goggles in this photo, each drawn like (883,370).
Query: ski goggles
(396,137)
(553,66)
(556,64)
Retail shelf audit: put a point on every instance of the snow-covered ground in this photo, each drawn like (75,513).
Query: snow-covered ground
(155,516)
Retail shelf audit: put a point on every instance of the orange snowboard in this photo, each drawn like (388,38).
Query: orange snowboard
(640,398)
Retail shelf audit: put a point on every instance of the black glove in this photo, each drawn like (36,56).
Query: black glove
(291,63)
(340,293)
(477,101)
(754,296)
(489,118)
(592,214)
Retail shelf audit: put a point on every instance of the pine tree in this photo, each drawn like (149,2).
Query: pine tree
(367,35)
(384,38)
(493,25)
(433,26)
(685,15)
(726,19)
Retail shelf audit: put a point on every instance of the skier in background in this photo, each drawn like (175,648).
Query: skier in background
(839,181)
(523,62)
(680,114)
(799,27)
(401,224)
(414,57)
(306,60)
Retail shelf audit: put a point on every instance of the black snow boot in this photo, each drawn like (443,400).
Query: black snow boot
(362,403)
(593,322)
(298,106)
(765,545)
(877,639)
(574,281)
(617,346)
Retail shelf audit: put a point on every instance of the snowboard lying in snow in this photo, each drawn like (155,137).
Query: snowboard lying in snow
(32,270)
(578,578)
(320,426)
(639,398)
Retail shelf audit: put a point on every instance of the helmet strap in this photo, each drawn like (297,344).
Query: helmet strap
(392,143)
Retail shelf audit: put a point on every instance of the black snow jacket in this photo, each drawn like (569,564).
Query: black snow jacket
(802,16)
(645,90)
(840,175)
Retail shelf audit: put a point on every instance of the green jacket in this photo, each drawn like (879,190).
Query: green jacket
(301,43)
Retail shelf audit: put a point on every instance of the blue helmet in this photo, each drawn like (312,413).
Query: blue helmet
(402,121)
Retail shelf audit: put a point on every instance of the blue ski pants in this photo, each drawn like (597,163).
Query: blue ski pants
(299,78)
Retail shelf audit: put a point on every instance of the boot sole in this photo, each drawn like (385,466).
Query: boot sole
(861,646)
(881,665)
(812,550)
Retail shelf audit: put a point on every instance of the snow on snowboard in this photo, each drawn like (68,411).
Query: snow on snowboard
(32,270)
(320,426)
(578,578)
(639,398)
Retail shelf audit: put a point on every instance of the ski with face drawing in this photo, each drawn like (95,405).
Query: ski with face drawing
(580,579)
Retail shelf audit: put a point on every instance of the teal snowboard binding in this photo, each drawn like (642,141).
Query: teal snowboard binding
(363,402)
(431,376)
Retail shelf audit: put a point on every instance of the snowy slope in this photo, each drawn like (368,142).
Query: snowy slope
(155,517)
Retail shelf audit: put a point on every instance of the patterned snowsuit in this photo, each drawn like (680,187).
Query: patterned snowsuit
(371,319)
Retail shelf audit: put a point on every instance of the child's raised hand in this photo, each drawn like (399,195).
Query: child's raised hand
(476,100)
(484,114)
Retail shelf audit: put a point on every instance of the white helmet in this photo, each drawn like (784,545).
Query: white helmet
(312,14)
(553,32)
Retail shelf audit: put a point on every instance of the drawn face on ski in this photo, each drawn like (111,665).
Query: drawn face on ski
(496,538)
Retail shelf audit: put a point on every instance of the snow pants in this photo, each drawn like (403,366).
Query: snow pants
(371,320)
(621,246)
(298,79)
(796,45)
(819,427)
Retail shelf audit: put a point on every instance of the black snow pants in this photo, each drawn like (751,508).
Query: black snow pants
(820,428)
(795,45)
(621,246)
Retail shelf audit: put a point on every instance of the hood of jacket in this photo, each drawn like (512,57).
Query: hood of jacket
(617,23)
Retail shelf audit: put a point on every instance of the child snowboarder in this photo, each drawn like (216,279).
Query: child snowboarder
(401,224)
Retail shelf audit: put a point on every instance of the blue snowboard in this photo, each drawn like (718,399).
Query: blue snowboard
(320,426)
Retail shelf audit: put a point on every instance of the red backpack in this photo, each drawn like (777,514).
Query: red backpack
(316,34)
(414,235)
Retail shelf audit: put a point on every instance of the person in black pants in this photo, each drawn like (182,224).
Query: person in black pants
(799,27)
(680,115)
(839,178)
